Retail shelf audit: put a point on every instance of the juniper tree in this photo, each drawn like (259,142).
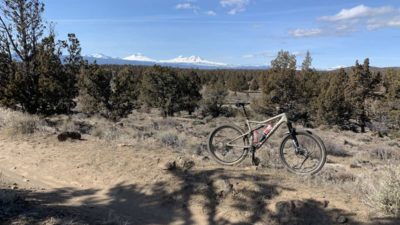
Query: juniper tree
(254,86)
(306,65)
(21,22)
(214,99)
(237,83)
(160,89)
(56,87)
(333,109)
(279,88)
(36,80)
(125,93)
(359,87)
(95,90)
(189,88)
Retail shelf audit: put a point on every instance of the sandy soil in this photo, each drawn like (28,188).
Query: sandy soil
(128,184)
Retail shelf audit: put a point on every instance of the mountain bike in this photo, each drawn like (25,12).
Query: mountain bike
(301,152)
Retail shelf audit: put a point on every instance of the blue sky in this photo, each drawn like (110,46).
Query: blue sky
(245,32)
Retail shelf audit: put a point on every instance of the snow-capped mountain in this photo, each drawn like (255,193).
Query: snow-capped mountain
(196,60)
(99,56)
(139,57)
(179,62)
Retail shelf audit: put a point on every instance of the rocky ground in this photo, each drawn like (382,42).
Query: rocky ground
(149,170)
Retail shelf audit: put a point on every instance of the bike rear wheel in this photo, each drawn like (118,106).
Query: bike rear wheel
(226,146)
(308,159)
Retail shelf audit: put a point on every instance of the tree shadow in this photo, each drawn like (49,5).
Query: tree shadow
(216,193)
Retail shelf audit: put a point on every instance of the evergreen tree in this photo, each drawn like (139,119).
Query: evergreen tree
(160,89)
(284,61)
(214,99)
(392,84)
(333,107)
(254,86)
(21,22)
(359,87)
(189,88)
(95,90)
(37,81)
(125,93)
(306,65)
(237,83)
(279,88)
(56,87)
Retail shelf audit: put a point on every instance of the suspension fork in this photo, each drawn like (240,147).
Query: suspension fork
(292,132)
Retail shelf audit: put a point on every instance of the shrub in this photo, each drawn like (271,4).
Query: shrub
(16,123)
(335,150)
(381,190)
(383,153)
(213,100)
(171,139)
(335,176)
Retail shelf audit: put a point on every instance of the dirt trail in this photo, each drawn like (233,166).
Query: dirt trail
(102,180)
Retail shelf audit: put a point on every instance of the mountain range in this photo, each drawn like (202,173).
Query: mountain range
(194,62)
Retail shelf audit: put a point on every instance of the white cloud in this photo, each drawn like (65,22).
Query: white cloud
(185,5)
(376,23)
(211,13)
(271,54)
(260,55)
(306,32)
(351,20)
(235,6)
(359,11)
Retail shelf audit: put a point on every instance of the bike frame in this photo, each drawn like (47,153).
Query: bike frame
(282,120)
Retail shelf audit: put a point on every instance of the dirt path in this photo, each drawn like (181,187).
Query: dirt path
(126,184)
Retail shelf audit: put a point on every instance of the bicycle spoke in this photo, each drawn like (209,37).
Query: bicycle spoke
(303,159)
(227,146)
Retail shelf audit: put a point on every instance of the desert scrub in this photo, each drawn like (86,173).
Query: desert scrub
(18,123)
(381,190)
(335,149)
(385,153)
(171,139)
(111,133)
(332,175)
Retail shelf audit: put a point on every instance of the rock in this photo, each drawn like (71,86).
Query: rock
(284,210)
(223,187)
(341,219)
(205,158)
(185,164)
(72,135)
(124,145)
(346,142)
(354,166)
(169,165)
(297,204)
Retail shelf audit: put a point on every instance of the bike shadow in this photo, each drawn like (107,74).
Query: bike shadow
(213,196)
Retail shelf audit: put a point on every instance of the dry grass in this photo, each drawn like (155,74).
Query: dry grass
(385,153)
(381,190)
(335,149)
(171,139)
(332,175)
(17,123)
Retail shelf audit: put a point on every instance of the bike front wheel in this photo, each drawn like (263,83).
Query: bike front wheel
(227,145)
(308,158)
